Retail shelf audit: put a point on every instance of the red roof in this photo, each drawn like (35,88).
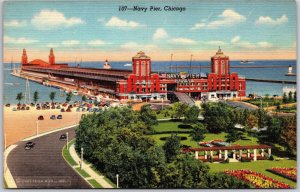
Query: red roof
(38,62)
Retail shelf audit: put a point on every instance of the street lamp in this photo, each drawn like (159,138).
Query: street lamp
(67,140)
(81,158)
(117,181)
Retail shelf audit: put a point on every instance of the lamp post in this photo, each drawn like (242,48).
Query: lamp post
(37,127)
(67,140)
(81,158)
(117,181)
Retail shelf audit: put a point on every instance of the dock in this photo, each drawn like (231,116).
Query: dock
(252,66)
(272,81)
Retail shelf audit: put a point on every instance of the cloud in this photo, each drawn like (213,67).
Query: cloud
(266,20)
(70,43)
(117,22)
(160,33)
(15,23)
(52,19)
(136,46)
(248,45)
(235,39)
(96,43)
(21,40)
(264,44)
(227,18)
(183,41)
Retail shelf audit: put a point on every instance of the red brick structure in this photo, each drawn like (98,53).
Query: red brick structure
(141,82)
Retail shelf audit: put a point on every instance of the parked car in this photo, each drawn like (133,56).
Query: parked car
(59,116)
(52,117)
(62,110)
(65,104)
(27,108)
(53,107)
(7,105)
(83,109)
(38,108)
(41,117)
(68,110)
(29,145)
(63,137)
(14,109)
(91,110)
(58,107)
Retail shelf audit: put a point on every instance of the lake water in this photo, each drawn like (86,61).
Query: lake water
(261,88)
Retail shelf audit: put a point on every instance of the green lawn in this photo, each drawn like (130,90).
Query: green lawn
(257,166)
(169,126)
(67,155)
(82,172)
(95,183)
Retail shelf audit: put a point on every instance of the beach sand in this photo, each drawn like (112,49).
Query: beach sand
(22,124)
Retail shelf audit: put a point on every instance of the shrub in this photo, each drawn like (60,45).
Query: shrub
(182,138)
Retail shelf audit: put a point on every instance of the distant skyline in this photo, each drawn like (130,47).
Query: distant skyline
(95,31)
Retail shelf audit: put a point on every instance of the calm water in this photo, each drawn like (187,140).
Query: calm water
(10,90)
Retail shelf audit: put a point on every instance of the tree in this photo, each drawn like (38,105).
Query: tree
(20,97)
(284,98)
(290,97)
(295,96)
(251,121)
(288,135)
(179,109)
(36,96)
(233,135)
(198,132)
(191,115)
(172,147)
(217,117)
(278,106)
(52,96)
(83,98)
(69,97)
(148,116)
(274,129)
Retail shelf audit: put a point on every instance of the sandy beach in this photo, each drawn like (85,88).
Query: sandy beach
(22,124)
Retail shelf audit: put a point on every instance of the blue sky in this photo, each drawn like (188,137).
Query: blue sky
(245,28)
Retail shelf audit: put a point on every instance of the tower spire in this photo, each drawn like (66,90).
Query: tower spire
(24,57)
(51,57)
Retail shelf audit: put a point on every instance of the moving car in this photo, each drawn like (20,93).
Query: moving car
(29,145)
(59,116)
(41,117)
(52,117)
(63,137)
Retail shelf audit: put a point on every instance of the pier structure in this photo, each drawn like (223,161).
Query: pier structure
(140,83)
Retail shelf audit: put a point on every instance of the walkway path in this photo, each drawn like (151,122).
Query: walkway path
(87,168)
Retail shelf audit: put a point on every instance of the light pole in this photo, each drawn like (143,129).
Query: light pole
(117,181)
(81,158)
(37,127)
(67,140)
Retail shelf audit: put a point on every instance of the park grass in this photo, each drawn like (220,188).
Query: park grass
(259,166)
(169,126)
(82,172)
(94,183)
(66,154)
(247,140)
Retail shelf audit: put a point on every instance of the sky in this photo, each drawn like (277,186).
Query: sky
(95,31)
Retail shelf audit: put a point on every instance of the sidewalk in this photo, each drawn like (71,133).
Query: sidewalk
(88,169)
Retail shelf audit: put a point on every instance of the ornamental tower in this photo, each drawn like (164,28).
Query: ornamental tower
(220,63)
(141,65)
(51,57)
(24,57)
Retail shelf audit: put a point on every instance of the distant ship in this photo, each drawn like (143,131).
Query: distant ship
(127,65)
(246,61)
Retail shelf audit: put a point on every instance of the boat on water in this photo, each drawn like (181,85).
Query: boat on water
(127,65)
(246,61)
(62,95)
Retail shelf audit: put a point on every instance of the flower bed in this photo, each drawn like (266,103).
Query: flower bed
(289,173)
(258,180)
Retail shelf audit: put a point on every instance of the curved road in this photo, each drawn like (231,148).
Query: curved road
(43,166)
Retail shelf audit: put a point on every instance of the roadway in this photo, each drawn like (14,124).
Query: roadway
(43,166)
